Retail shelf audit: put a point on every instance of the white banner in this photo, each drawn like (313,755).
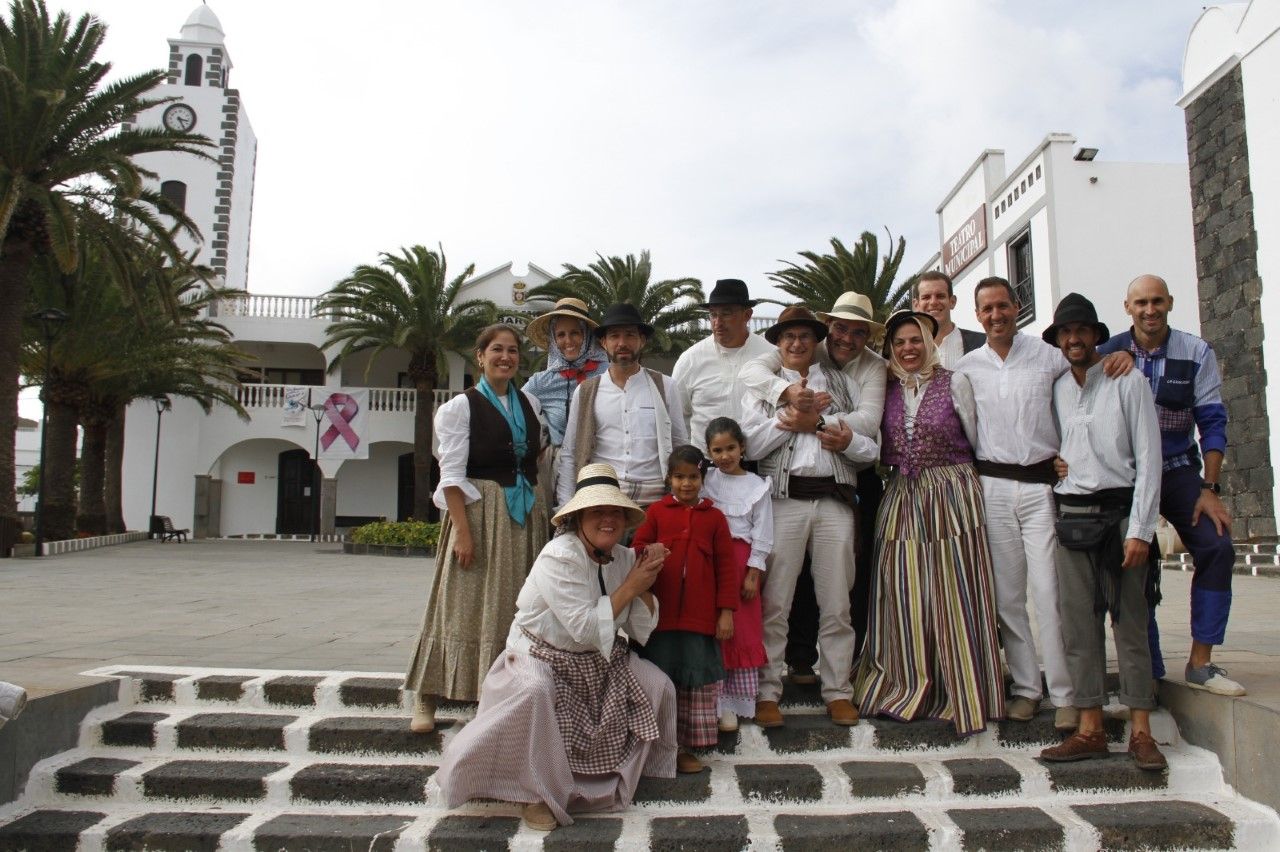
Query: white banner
(344,427)
(295,407)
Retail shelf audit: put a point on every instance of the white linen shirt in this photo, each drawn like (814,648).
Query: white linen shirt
(626,431)
(868,371)
(808,458)
(561,604)
(1014,396)
(951,348)
(710,385)
(1111,439)
(453,445)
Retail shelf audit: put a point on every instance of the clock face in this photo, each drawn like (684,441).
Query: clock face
(180,117)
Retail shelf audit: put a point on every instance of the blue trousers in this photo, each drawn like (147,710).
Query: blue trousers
(1212,554)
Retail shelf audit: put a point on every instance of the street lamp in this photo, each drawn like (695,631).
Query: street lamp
(51,320)
(155,527)
(317,411)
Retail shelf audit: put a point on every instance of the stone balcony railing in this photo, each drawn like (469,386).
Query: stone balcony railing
(392,400)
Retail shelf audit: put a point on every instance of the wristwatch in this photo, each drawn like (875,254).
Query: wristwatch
(822,423)
(1215,487)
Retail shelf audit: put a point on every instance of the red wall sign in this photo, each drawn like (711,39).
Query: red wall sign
(964,246)
(244,477)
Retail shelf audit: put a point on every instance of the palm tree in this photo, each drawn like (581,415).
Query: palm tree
(820,281)
(62,146)
(407,302)
(670,306)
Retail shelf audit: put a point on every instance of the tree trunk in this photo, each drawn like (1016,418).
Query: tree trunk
(423,439)
(59,465)
(92,515)
(15,262)
(112,474)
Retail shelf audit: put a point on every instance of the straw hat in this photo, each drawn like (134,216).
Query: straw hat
(538,328)
(853,306)
(598,486)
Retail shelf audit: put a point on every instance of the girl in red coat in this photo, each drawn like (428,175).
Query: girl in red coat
(697,593)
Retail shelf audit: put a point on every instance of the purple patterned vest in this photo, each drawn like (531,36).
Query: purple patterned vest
(939,438)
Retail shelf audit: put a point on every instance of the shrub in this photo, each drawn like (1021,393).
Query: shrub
(398,533)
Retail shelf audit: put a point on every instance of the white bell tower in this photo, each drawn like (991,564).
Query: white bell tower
(218,194)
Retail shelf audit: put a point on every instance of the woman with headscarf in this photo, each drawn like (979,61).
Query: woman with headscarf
(573,356)
(569,716)
(495,524)
(931,650)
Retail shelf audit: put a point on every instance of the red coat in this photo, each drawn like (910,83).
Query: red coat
(699,577)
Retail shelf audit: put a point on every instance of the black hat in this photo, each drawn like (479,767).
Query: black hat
(795,315)
(1075,308)
(622,313)
(730,291)
(927,324)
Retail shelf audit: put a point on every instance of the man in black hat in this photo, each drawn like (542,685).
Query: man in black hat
(1107,507)
(707,372)
(629,417)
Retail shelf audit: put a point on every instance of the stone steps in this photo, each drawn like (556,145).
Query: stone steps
(204,759)
(1248,564)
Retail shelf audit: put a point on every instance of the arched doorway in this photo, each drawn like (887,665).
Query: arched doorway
(404,488)
(297,494)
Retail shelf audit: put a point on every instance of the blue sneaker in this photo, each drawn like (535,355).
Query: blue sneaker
(1213,679)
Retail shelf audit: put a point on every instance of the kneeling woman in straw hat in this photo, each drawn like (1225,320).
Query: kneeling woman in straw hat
(569,717)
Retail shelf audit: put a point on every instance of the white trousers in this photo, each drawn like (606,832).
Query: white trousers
(826,528)
(1020,531)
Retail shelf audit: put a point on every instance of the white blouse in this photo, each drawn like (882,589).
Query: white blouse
(453,445)
(746,503)
(561,602)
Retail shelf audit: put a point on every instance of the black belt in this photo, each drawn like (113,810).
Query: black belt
(1041,472)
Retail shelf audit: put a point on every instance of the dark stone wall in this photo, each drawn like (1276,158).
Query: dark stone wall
(1230,295)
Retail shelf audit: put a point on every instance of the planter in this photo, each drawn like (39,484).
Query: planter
(401,550)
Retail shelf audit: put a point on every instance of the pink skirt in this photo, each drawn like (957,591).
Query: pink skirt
(513,751)
(746,649)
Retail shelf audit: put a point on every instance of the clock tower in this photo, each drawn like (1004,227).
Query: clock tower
(217,195)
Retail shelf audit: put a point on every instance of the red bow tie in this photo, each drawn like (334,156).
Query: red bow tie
(583,374)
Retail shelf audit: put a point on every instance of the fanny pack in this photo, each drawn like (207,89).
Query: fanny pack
(1086,532)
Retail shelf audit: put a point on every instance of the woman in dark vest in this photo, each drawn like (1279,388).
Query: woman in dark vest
(496,524)
(931,649)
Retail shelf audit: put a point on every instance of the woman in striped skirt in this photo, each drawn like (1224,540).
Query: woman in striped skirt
(931,649)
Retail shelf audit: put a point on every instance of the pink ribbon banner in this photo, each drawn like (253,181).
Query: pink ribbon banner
(345,413)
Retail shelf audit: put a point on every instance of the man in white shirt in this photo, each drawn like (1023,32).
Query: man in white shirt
(851,326)
(1017,439)
(1107,508)
(628,418)
(814,479)
(934,294)
(707,372)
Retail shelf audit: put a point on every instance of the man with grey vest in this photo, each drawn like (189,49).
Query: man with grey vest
(628,417)
(814,481)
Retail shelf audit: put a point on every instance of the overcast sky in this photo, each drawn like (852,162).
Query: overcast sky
(722,136)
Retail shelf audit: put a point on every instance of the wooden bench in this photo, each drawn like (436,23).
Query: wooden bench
(167,531)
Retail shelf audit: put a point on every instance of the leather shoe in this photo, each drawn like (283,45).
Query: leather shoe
(424,715)
(1142,748)
(1066,719)
(803,675)
(768,715)
(687,764)
(1021,709)
(842,712)
(1078,747)
(538,816)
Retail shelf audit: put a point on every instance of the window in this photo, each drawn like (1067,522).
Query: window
(290,376)
(1037,172)
(175,192)
(195,67)
(1020,275)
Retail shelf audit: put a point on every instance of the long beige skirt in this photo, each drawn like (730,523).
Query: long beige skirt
(469,610)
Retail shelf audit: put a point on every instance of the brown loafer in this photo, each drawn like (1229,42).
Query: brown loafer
(1143,750)
(1078,747)
(803,675)
(842,712)
(538,816)
(768,715)
(688,764)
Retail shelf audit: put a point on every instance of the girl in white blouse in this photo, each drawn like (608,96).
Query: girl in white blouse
(744,499)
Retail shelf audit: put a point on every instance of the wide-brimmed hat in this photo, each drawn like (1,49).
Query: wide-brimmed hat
(729,291)
(1075,308)
(539,328)
(598,486)
(795,315)
(622,313)
(852,306)
(928,324)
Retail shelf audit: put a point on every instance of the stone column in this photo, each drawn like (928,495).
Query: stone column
(328,505)
(200,514)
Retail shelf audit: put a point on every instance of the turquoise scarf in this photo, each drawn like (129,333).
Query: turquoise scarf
(519,496)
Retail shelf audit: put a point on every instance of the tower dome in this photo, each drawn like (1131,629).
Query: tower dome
(203,26)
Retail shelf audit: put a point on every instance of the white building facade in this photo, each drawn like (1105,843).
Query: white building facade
(1062,221)
(1231,98)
